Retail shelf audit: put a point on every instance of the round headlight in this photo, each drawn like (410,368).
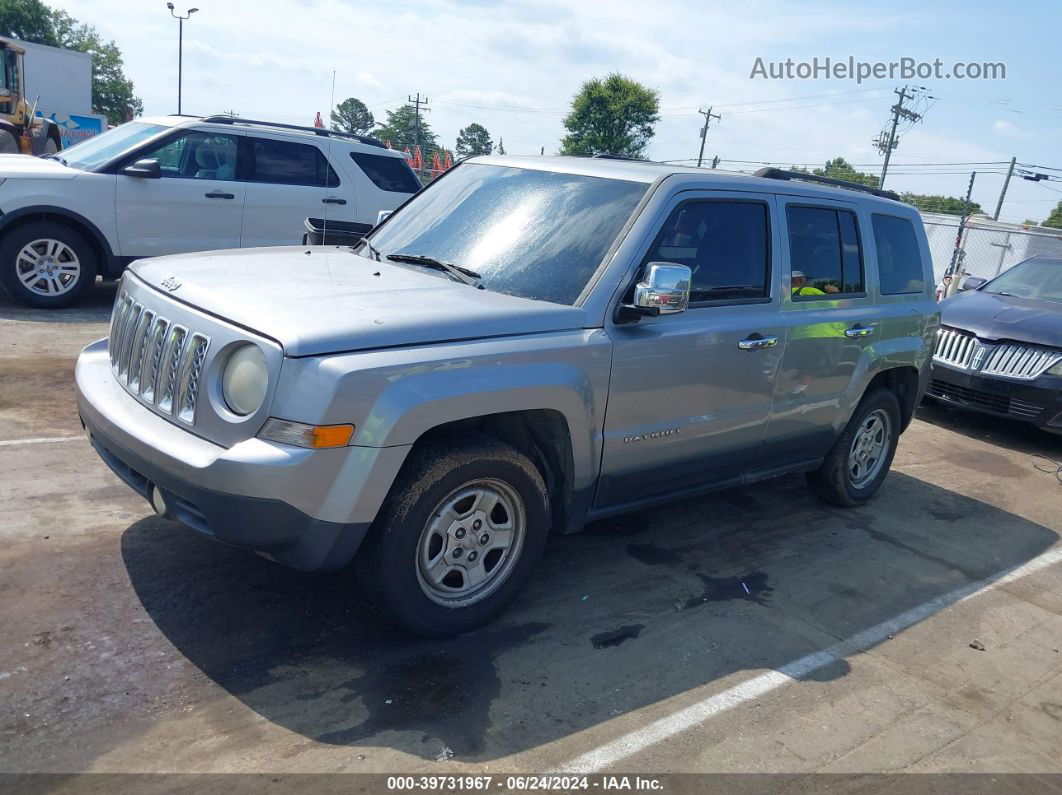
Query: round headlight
(245,380)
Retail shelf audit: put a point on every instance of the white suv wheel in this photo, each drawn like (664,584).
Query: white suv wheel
(48,267)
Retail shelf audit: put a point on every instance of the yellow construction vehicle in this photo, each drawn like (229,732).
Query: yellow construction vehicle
(21,132)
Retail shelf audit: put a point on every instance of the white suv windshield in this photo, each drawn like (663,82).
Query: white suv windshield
(101,148)
(533,234)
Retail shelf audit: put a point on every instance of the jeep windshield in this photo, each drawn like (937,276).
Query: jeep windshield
(99,149)
(532,234)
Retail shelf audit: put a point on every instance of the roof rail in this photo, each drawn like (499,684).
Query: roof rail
(781,173)
(364,139)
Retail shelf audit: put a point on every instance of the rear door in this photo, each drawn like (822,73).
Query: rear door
(829,314)
(690,393)
(196,205)
(288,182)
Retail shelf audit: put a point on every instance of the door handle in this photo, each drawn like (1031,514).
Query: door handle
(756,341)
(859,331)
(333,200)
(216,194)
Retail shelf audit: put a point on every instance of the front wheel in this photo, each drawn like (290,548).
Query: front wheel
(858,462)
(457,538)
(46,264)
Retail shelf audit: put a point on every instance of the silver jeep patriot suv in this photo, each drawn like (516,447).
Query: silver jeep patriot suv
(526,345)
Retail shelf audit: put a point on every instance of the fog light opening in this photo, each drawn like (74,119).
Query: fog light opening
(158,502)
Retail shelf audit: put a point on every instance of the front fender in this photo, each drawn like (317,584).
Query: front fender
(394,396)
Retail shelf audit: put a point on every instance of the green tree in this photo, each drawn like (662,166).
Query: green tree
(400,130)
(839,168)
(931,203)
(352,116)
(29,20)
(1054,220)
(614,116)
(473,140)
(501,147)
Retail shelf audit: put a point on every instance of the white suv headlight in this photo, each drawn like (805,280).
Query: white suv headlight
(244,382)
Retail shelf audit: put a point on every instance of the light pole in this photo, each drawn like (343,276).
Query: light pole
(180,47)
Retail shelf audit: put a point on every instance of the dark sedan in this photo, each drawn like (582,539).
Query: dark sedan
(1000,345)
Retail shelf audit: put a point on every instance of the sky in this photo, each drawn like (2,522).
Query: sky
(514,67)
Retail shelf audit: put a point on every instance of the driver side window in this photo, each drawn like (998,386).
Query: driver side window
(724,243)
(197,155)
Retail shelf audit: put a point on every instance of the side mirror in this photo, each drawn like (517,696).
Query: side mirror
(663,290)
(147,169)
(972,283)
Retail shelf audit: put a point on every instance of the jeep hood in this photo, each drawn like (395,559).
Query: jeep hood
(324,300)
(991,316)
(23,166)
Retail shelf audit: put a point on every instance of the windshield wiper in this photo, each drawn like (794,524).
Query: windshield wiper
(463,275)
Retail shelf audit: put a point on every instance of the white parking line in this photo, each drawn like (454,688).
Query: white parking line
(688,717)
(40,440)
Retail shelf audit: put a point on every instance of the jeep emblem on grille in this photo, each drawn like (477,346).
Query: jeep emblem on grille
(171,283)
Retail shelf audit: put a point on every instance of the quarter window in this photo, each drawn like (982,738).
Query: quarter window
(899,260)
(387,173)
(289,163)
(824,252)
(724,243)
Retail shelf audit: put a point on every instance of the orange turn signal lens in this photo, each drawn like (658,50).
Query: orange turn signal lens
(314,437)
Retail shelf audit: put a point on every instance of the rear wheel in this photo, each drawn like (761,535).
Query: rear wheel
(46,265)
(858,462)
(457,538)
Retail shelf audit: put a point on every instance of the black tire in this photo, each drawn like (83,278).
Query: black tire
(13,243)
(9,144)
(833,481)
(388,562)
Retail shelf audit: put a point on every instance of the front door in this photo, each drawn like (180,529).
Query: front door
(691,393)
(197,205)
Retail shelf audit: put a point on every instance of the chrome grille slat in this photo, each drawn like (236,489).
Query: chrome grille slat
(136,356)
(170,364)
(194,357)
(132,317)
(158,361)
(954,348)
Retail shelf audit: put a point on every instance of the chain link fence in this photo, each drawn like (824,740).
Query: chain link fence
(988,247)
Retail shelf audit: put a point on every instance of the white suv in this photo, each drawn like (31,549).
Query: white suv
(179,184)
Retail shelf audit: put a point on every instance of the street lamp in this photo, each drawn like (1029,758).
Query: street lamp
(180,47)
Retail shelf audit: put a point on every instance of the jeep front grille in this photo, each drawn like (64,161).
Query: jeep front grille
(156,360)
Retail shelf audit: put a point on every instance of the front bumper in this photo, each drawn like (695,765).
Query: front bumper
(1038,401)
(309,509)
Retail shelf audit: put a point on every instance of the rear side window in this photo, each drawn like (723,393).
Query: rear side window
(824,252)
(899,259)
(724,244)
(387,173)
(289,163)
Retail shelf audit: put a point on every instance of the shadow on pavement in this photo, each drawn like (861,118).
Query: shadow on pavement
(634,611)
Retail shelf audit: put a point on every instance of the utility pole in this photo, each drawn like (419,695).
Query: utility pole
(898,112)
(951,277)
(180,47)
(1002,193)
(708,116)
(417,103)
